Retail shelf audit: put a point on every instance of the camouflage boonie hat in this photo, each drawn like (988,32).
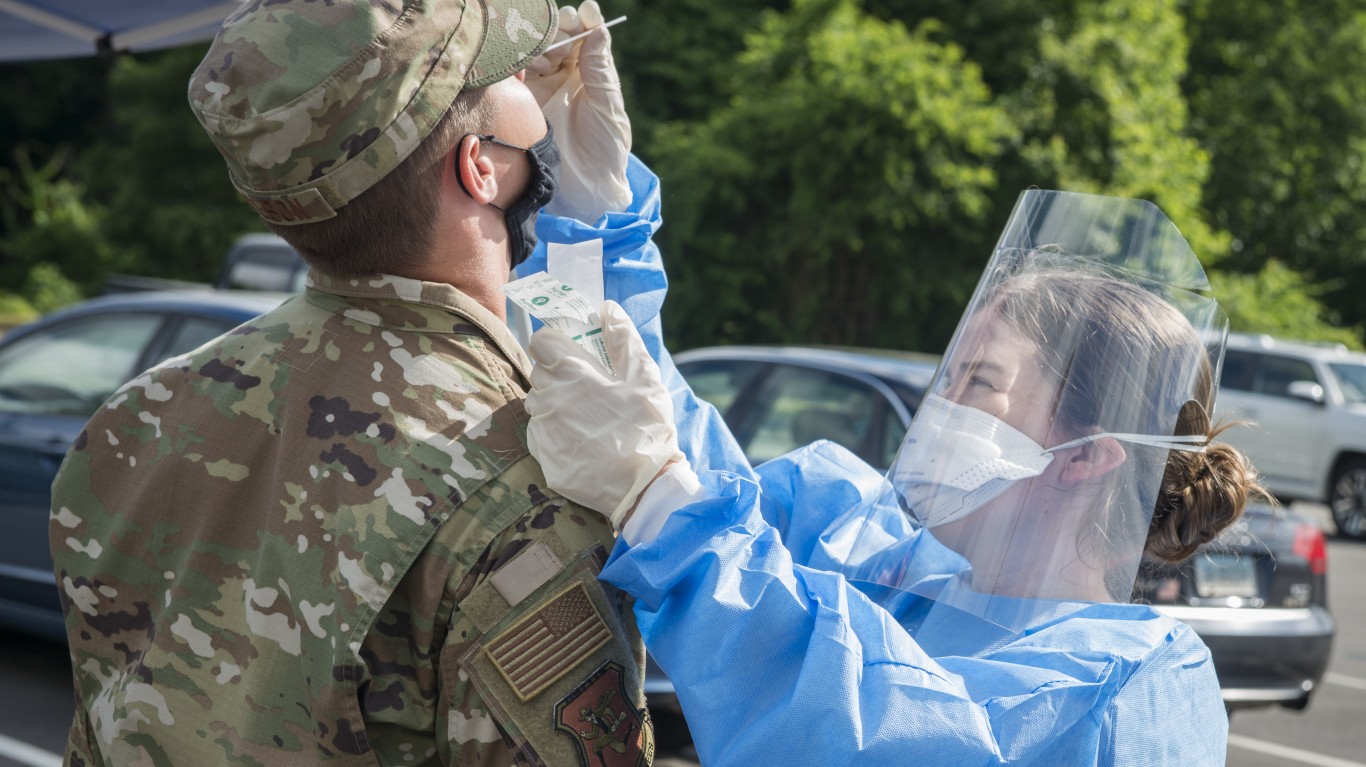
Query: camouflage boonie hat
(311,102)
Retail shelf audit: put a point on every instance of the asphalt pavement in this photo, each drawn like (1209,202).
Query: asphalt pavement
(35,693)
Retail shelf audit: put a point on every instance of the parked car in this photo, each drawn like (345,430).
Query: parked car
(776,399)
(53,374)
(263,262)
(257,261)
(1307,405)
(1257,595)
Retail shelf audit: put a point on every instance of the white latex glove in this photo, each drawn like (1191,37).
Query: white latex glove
(579,92)
(600,440)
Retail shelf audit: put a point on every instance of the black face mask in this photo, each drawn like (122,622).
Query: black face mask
(521,215)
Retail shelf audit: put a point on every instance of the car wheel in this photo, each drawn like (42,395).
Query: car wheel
(1348,498)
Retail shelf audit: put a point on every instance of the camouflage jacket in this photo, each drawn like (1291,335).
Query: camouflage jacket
(319,539)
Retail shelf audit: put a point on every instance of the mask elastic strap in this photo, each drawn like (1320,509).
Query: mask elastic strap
(490,139)
(1189,444)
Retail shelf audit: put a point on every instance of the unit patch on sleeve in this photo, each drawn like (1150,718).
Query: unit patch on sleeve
(606,728)
(546,645)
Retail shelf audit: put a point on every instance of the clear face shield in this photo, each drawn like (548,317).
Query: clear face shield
(1027,483)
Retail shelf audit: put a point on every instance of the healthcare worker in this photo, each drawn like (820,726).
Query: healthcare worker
(972,606)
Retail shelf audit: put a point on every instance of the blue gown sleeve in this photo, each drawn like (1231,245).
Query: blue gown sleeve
(633,276)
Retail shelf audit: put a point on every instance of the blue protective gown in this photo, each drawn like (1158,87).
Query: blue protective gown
(778,659)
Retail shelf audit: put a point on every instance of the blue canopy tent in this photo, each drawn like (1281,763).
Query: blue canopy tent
(53,29)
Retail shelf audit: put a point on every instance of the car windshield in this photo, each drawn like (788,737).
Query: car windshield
(1352,381)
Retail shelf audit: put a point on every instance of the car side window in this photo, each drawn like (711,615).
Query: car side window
(893,432)
(1237,371)
(797,406)
(1275,374)
(719,382)
(193,333)
(71,368)
(893,428)
(1352,382)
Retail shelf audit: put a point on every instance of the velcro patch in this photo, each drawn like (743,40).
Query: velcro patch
(527,572)
(607,729)
(545,645)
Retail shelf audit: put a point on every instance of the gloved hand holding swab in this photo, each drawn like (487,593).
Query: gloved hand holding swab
(578,89)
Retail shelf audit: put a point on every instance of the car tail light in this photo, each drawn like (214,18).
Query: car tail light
(1309,544)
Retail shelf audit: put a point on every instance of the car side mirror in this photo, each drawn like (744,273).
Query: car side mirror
(1307,391)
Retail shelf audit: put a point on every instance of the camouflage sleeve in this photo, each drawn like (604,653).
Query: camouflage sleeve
(542,660)
(80,751)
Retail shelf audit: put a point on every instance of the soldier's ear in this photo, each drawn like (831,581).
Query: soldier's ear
(472,171)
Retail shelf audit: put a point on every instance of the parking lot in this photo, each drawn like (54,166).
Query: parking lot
(34,711)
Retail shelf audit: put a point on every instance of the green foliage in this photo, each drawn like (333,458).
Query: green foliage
(14,311)
(48,289)
(1120,112)
(1280,302)
(51,105)
(834,171)
(1094,86)
(676,57)
(834,198)
(1278,99)
(169,202)
(48,220)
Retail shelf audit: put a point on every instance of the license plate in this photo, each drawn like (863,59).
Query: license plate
(1225,575)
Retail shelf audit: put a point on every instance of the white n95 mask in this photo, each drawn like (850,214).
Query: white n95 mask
(957,458)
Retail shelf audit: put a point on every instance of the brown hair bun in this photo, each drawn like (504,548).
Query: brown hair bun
(1202,495)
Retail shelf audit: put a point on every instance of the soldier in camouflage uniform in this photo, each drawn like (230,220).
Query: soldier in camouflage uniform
(319,539)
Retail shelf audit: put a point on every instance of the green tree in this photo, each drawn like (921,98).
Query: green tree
(51,106)
(833,197)
(14,311)
(169,203)
(1280,302)
(48,219)
(1279,102)
(676,57)
(1095,88)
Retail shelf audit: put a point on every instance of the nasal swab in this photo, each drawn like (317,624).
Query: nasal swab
(582,35)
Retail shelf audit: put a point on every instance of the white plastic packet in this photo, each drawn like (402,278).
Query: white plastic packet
(578,264)
(560,306)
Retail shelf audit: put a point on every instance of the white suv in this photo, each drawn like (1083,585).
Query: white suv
(1307,405)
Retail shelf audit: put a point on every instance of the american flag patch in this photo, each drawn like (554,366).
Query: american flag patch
(544,646)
